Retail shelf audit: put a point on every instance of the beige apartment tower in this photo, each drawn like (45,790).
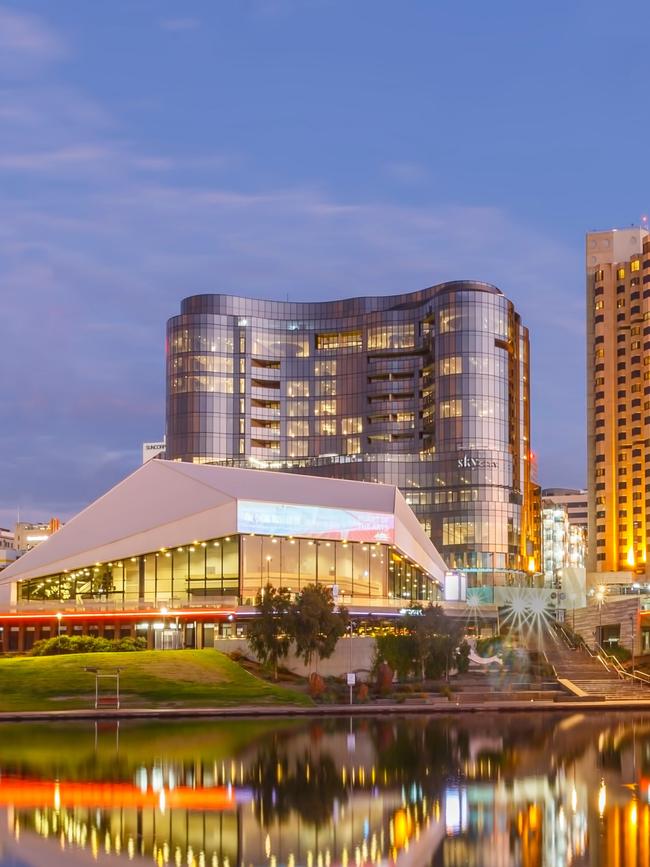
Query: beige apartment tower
(618,402)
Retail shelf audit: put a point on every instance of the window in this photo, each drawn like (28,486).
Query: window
(451,408)
(325,387)
(620,302)
(450,365)
(353,446)
(325,368)
(398,336)
(297,408)
(599,304)
(599,275)
(336,340)
(325,407)
(351,425)
(297,448)
(297,388)
(326,427)
(635,265)
(298,428)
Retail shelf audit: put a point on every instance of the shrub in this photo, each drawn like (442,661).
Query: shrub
(63,644)
(621,653)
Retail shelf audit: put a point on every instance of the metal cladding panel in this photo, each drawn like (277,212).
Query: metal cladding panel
(414,542)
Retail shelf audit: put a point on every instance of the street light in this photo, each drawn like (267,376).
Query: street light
(268,569)
(59,617)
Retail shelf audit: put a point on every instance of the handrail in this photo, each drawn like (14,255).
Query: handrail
(620,670)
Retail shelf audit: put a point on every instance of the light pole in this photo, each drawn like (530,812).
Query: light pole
(268,569)
(59,618)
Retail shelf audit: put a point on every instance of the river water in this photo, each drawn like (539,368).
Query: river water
(477,789)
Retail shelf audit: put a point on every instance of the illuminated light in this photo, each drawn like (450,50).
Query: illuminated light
(602,798)
(531,564)
(630,556)
(179,549)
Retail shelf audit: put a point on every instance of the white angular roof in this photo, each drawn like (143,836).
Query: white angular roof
(169,503)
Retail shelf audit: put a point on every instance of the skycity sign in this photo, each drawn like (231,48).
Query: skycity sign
(469,463)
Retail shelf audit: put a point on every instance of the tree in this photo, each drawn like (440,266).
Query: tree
(269,635)
(316,625)
(436,640)
(399,651)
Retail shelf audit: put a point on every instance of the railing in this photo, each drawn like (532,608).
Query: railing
(606,659)
(614,664)
(112,605)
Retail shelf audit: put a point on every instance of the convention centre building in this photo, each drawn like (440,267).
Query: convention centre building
(178,552)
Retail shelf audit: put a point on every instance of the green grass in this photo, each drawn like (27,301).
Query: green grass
(172,678)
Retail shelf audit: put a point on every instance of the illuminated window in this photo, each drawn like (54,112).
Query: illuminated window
(325,407)
(297,408)
(451,408)
(620,302)
(298,428)
(297,448)
(351,425)
(336,340)
(326,387)
(353,446)
(297,388)
(599,275)
(326,427)
(635,265)
(242,447)
(325,368)
(599,304)
(450,365)
(398,336)
(448,321)
(620,274)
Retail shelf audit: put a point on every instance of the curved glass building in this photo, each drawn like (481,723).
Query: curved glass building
(427,390)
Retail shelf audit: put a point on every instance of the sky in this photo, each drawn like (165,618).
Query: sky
(302,149)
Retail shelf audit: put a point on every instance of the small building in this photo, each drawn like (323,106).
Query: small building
(186,548)
(28,535)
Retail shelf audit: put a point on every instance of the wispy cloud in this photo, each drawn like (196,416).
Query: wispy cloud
(105,256)
(26,42)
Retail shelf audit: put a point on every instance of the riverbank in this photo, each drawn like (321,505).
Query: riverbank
(182,679)
(302,711)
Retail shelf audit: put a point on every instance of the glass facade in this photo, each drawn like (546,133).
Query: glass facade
(428,391)
(238,567)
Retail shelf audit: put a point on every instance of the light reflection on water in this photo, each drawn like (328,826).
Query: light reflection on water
(479,789)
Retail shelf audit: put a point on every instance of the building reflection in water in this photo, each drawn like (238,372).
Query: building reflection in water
(533,791)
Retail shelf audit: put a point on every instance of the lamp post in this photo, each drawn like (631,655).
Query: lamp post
(59,618)
(268,569)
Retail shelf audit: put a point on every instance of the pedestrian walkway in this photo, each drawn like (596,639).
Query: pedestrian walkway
(590,674)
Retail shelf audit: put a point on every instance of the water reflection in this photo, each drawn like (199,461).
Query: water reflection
(479,790)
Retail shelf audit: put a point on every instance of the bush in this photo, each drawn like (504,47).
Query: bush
(621,653)
(63,644)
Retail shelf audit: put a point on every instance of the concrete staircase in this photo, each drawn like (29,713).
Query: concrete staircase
(590,675)
(478,685)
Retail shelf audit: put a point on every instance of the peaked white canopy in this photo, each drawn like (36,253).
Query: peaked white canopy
(164,504)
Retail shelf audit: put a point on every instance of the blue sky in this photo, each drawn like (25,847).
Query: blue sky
(152,149)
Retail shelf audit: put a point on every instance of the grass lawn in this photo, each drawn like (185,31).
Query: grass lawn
(150,678)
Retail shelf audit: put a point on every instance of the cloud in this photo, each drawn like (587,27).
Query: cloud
(99,241)
(26,42)
(176,25)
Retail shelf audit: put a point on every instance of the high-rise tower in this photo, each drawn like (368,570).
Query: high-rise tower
(618,398)
(427,390)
